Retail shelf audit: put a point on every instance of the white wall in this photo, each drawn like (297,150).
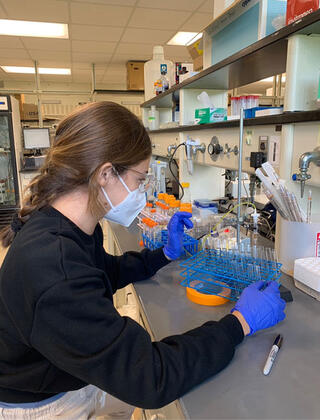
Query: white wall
(58,105)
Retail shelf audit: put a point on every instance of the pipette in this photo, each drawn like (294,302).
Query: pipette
(309,207)
(276,195)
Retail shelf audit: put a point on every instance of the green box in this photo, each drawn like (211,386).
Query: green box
(210,115)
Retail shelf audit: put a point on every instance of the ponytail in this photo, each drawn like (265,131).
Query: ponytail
(89,137)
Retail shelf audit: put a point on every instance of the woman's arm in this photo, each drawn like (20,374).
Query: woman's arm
(133,266)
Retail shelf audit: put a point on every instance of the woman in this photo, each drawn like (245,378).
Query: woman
(61,337)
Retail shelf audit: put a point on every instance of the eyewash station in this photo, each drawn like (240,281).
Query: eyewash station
(253,187)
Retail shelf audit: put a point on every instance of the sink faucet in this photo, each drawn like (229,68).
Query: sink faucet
(304,162)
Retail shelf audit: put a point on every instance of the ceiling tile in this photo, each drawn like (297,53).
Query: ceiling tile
(189,5)
(37,10)
(93,46)
(3,15)
(99,14)
(95,33)
(197,22)
(161,19)
(13,53)
(54,63)
(58,56)
(123,58)
(91,58)
(23,77)
(109,2)
(55,78)
(47,44)
(147,36)
(10,42)
(15,61)
(81,65)
(125,48)
(207,7)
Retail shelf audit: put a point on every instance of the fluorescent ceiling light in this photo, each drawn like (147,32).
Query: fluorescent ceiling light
(184,38)
(37,29)
(31,70)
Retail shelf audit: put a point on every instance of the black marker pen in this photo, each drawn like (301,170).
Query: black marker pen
(273,354)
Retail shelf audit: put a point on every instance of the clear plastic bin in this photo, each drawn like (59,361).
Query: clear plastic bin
(298,240)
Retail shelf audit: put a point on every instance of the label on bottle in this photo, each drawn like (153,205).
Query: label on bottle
(318,245)
(163,68)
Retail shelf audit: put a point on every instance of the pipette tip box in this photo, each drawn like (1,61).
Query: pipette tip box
(307,276)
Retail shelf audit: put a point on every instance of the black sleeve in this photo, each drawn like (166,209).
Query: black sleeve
(133,266)
(77,328)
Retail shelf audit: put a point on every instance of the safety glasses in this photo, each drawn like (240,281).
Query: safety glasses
(144,185)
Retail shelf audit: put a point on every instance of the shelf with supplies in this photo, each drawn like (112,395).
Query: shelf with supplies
(279,119)
(262,59)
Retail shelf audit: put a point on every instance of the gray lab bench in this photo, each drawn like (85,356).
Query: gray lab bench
(241,391)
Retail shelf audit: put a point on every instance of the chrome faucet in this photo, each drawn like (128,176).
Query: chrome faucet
(304,162)
(171,148)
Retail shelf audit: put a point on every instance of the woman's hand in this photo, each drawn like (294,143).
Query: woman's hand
(261,308)
(174,247)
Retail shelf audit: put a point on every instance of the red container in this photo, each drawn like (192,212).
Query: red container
(296,9)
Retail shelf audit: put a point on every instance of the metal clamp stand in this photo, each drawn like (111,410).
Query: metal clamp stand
(239,177)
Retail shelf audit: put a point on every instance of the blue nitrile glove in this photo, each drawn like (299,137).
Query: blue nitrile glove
(261,308)
(174,247)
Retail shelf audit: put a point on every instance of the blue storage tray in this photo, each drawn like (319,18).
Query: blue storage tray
(211,271)
(190,244)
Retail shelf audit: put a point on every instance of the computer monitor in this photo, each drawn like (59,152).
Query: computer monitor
(36,138)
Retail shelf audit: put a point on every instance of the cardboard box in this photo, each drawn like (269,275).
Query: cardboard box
(135,75)
(296,9)
(196,53)
(198,63)
(29,112)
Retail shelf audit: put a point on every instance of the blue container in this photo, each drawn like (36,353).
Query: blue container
(190,244)
(251,112)
(246,23)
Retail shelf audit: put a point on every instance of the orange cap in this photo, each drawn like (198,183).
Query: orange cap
(149,205)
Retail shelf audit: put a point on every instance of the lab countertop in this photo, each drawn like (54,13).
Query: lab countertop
(241,391)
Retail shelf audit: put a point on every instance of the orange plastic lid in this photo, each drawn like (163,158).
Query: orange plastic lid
(148,205)
(153,210)
(209,300)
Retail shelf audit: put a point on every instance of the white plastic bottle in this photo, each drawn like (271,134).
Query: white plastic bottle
(153,118)
(152,72)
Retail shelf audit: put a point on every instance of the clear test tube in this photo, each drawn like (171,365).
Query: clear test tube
(144,226)
(153,214)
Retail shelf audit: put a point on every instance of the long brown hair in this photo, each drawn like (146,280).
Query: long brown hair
(92,135)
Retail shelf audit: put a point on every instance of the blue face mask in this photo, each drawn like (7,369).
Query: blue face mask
(125,212)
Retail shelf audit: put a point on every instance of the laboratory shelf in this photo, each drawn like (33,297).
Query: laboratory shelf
(284,118)
(262,59)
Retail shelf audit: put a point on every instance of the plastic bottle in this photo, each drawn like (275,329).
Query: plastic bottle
(187,194)
(152,71)
(153,118)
